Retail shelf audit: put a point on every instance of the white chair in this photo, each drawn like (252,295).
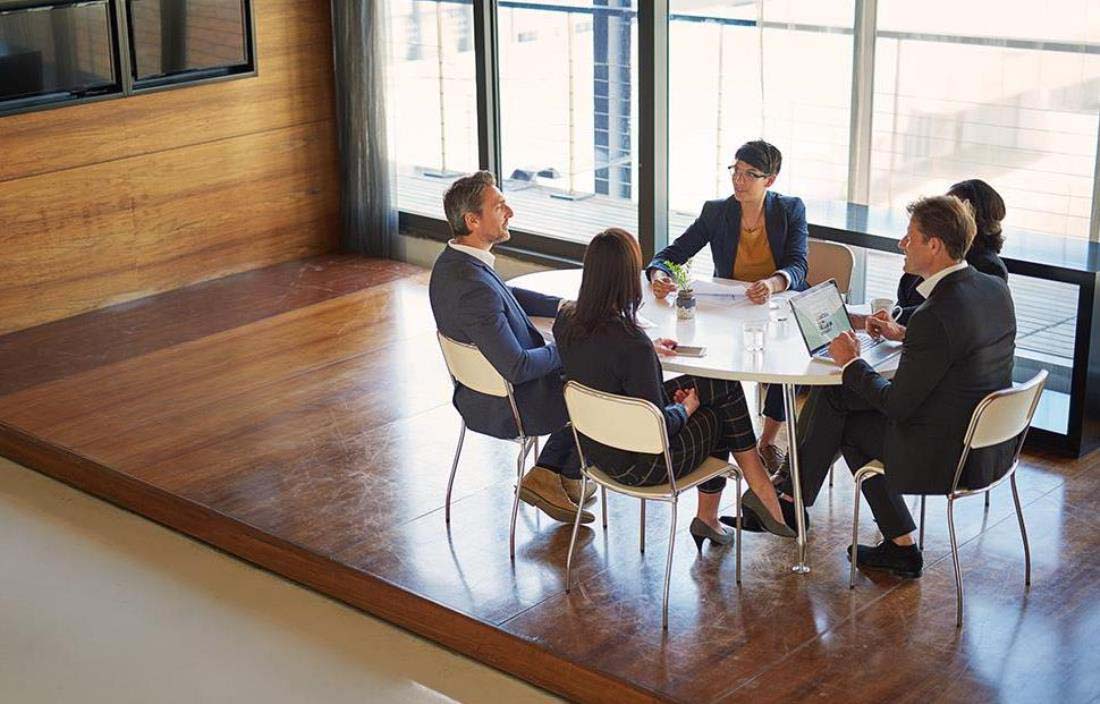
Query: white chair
(469,367)
(1000,416)
(830,260)
(635,425)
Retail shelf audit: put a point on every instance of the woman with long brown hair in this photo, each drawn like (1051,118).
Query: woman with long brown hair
(602,346)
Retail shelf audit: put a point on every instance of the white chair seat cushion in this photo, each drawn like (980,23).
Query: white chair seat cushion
(711,467)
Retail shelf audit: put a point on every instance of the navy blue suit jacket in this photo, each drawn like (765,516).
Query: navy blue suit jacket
(719,225)
(471,303)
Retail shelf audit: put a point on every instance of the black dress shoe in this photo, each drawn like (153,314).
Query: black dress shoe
(902,560)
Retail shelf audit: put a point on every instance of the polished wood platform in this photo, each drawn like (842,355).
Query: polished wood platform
(299,418)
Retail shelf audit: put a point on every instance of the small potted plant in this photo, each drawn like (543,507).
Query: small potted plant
(685,295)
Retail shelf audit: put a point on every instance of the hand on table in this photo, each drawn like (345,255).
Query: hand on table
(881,324)
(760,292)
(665,347)
(844,348)
(662,285)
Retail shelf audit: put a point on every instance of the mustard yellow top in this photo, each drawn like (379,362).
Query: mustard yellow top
(754,260)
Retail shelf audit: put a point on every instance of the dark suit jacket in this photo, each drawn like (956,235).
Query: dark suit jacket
(471,303)
(719,225)
(985,261)
(959,347)
(618,361)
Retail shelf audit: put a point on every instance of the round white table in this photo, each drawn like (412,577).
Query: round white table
(717,326)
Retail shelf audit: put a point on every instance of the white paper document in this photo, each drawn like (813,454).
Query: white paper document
(734,289)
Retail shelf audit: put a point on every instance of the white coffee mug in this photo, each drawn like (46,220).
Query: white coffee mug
(886,304)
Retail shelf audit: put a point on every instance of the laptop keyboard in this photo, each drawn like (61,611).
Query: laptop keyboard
(866,342)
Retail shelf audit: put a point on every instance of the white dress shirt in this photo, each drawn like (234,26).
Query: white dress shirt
(925,287)
(483,254)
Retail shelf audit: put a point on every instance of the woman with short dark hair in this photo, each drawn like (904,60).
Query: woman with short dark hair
(602,346)
(755,235)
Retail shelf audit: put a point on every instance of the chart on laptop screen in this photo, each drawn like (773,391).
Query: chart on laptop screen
(821,315)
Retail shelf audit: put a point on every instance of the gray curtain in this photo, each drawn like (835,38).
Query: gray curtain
(368,220)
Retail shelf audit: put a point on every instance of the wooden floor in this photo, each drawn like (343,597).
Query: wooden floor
(299,417)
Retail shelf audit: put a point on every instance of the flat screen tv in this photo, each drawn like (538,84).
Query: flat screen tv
(56,52)
(188,39)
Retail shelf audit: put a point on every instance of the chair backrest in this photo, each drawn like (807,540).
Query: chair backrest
(830,260)
(470,368)
(1001,416)
(626,423)
(1005,414)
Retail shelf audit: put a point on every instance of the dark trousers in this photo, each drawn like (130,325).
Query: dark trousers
(720,426)
(837,421)
(559,454)
(773,402)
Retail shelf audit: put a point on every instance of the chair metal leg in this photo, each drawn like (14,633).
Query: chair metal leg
(832,471)
(573,539)
(858,481)
(520,461)
(1023,532)
(603,504)
(987,501)
(641,527)
(536,455)
(955,561)
(738,536)
(920,535)
(668,563)
(451,479)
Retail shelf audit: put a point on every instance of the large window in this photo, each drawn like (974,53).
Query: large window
(876,103)
(981,89)
(433,99)
(568,109)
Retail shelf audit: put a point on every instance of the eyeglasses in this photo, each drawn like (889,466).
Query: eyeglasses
(742,174)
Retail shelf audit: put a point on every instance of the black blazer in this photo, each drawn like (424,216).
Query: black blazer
(959,347)
(985,261)
(719,225)
(471,303)
(617,361)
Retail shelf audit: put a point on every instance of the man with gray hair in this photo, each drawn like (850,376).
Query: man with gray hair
(472,304)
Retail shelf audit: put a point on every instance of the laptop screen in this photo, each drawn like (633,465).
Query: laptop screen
(820,314)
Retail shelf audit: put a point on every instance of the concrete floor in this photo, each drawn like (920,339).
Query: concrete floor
(99,605)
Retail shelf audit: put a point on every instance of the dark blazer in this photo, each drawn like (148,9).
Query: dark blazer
(985,261)
(618,361)
(719,225)
(471,303)
(959,347)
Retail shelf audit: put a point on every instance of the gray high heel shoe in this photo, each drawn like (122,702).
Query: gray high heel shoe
(700,531)
(752,502)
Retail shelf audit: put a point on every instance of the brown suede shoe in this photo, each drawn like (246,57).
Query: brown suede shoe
(542,489)
(772,457)
(573,489)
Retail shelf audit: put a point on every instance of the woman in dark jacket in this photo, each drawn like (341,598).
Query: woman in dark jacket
(989,210)
(755,235)
(602,347)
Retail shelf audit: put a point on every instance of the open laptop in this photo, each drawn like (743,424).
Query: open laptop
(821,316)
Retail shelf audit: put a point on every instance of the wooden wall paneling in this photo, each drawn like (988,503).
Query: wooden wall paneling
(89,237)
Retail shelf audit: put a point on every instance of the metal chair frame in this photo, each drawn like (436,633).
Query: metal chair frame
(1033,386)
(526,443)
(668,492)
